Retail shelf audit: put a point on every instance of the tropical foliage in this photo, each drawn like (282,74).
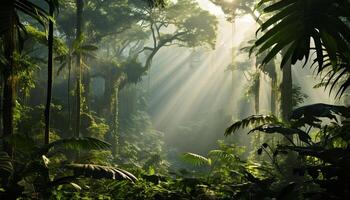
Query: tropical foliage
(76,89)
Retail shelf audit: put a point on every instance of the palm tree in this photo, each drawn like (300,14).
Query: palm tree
(10,32)
(52,5)
(293,25)
(80,6)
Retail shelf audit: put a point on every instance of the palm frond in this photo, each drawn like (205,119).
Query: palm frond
(220,154)
(195,159)
(80,143)
(295,22)
(100,171)
(252,120)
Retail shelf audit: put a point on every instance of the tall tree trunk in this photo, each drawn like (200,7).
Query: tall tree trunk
(111,113)
(257,94)
(1,99)
(10,79)
(286,91)
(80,5)
(49,75)
(86,89)
(68,91)
(273,97)
(115,118)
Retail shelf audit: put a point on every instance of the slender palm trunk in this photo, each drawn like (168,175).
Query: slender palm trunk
(49,76)
(79,4)
(68,92)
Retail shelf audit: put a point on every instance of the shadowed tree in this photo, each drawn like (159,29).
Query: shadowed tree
(12,42)
(53,4)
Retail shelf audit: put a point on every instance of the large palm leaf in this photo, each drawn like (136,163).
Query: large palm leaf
(295,22)
(9,14)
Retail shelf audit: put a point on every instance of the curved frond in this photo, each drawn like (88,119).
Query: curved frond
(220,154)
(81,143)
(252,120)
(100,171)
(295,23)
(5,162)
(195,159)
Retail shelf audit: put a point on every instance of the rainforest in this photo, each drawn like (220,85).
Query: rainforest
(175,99)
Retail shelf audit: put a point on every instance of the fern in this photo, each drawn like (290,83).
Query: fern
(100,171)
(252,120)
(5,163)
(220,154)
(81,143)
(195,159)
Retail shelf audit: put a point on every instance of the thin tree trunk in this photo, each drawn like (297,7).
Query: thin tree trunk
(257,94)
(68,92)
(115,117)
(1,100)
(86,89)
(286,91)
(49,75)
(79,4)
(273,97)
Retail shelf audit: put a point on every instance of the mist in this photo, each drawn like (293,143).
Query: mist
(174,99)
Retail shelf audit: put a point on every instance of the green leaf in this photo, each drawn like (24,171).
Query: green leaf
(99,172)
(81,143)
(287,132)
(252,120)
(5,162)
(195,159)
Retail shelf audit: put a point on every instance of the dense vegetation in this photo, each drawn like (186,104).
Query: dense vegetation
(75,92)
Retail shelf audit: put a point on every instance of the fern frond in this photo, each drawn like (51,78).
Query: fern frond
(220,154)
(80,143)
(252,120)
(100,171)
(5,162)
(195,159)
